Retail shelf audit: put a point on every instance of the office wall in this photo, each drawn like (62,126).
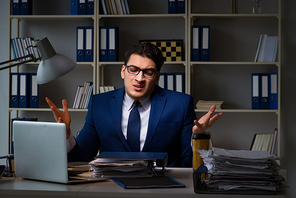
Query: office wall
(3,78)
(288,126)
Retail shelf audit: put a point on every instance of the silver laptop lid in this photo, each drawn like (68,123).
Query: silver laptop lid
(40,151)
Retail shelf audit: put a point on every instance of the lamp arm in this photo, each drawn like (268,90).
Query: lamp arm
(32,58)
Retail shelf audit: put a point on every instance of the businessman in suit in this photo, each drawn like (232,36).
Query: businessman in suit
(166,119)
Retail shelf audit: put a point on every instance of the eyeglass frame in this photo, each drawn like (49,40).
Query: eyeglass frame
(141,70)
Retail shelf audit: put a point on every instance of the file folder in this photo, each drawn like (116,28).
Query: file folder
(273,82)
(181,6)
(113,43)
(14,90)
(180,82)
(205,43)
(195,45)
(172,8)
(264,90)
(80,55)
(104,6)
(171,81)
(90,7)
(24,90)
(256,91)
(26,7)
(89,44)
(162,81)
(103,43)
(74,7)
(34,91)
(82,7)
(15,9)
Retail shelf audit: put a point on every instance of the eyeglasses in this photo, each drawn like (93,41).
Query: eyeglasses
(134,70)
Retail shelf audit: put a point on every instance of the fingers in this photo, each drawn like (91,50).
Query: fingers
(65,105)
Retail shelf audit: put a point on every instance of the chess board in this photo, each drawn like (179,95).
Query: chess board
(171,49)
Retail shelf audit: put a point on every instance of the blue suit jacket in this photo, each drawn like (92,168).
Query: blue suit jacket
(169,129)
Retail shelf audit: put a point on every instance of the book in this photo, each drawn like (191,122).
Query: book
(264,142)
(206,104)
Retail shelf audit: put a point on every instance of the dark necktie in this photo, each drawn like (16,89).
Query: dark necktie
(133,128)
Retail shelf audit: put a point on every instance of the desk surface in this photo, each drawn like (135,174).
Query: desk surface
(18,187)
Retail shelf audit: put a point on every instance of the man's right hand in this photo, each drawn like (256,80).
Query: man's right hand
(61,116)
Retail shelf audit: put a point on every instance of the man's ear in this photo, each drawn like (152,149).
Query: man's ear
(157,78)
(122,71)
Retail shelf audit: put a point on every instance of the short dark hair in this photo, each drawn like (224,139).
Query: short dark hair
(145,50)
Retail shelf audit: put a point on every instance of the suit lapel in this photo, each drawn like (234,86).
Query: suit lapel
(158,102)
(116,111)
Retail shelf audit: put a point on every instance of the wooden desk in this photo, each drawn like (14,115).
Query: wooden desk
(17,187)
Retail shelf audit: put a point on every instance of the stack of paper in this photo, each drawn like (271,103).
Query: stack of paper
(206,104)
(242,171)
(119,168)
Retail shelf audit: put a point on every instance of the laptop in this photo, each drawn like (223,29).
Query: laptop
(40,153)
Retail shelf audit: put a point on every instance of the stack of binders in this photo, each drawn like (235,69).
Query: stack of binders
(82,7)
(23,46)
(84,44)
(176,6)
(24,90)
(200,46)
(83,95)
(172,81)
(21,7)
(264,90)
(109,43)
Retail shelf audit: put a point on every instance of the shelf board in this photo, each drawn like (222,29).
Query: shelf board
(239,110)
(141,15)
(51,17)
(231,63)
(195,15)
(45,109)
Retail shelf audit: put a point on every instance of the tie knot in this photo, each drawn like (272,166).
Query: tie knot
(136,103)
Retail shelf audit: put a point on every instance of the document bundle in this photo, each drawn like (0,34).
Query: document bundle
(238,172)
(200,45)
(21,7)
(109,43)
(24,90)
(264,90)
(84,44)
(115,7)
(83,95)
(176,6)
(266,48)
(82,7)
(172,81)
(23,46)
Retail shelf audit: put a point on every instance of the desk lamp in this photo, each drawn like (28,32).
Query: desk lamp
(52,65)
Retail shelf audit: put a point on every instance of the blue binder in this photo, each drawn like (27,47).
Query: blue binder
(89,43)
(181,6)
(256,91)
(172,8)
(34,91)
(15,7)
(24,90)
(162,81)
(90,7)
(26,7)
(171,81)
(103,43)
(82,7)
(14,90)
(273,96)
(264,90)
(80,44)
(113,43)
(74,7)
(195,45)
(180,82)
(205,43)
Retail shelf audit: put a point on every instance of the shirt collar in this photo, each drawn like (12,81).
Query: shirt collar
(129,102)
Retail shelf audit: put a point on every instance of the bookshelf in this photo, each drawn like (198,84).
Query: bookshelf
(234,36)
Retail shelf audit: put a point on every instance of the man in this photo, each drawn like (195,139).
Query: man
(167,118)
